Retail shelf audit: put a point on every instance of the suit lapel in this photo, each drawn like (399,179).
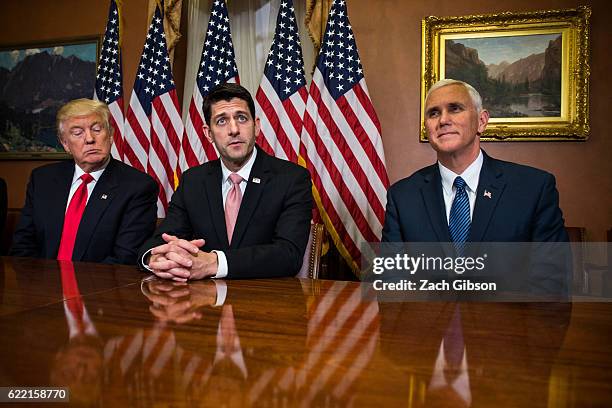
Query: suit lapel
(212,186)
(101,197)
(433,201)
(490,189)
(57,202)
(252,195)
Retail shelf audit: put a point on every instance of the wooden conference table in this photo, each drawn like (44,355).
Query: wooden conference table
(117,340)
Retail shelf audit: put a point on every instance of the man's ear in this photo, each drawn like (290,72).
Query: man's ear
(64,144)
(111,132)
(483,119)
(257,126)
(206,131)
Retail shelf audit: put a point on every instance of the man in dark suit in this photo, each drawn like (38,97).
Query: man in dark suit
(468,196)
(210,229)
(93,209)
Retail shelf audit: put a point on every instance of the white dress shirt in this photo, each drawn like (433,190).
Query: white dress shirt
(471,175)
(76,182)
(226,186)
(460,385)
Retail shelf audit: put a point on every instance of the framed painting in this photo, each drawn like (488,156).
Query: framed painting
(35,81)
(531,69)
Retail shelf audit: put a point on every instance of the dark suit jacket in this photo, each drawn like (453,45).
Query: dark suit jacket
(523,207)
(272,228)
(119,216)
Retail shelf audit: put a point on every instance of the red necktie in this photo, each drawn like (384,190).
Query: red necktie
(232,205)
(72,295)
(73,218)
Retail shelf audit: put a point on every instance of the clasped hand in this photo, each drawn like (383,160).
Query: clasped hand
(179,302)
(182,260)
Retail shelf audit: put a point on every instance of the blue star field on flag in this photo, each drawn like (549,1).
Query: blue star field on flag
(217,64)
(109,85)
(154,76)
(338,60)
(285,67)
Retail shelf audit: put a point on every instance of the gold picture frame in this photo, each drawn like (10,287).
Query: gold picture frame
(525,104)
(38,79)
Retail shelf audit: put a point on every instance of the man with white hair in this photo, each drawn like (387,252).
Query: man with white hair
(468,196)
(92,208)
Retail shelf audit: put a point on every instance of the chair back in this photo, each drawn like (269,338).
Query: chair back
(580,274)
(311,264)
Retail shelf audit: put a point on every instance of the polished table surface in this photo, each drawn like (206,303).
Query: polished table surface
(117,338)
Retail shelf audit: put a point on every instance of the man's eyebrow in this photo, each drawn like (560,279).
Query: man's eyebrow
(222,114)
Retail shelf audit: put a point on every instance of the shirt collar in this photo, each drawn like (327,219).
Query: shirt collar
(78,172)
(470,175)
(244,172)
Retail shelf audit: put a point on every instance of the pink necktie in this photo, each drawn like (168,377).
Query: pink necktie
(73,218)
(232,205)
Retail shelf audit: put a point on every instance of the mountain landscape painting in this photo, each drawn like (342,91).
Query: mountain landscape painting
(34,83)
(517,76)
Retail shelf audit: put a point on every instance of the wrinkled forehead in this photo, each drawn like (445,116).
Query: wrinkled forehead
(227,108)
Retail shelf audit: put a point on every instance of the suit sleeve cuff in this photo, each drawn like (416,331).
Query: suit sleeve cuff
(222,265)
(221,287)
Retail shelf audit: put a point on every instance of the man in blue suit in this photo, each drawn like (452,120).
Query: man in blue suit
(507,202)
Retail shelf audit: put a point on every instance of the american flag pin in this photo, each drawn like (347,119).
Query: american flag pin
(104,196)
(256,180)
(487,194)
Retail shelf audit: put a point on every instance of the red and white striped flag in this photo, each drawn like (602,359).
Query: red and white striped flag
(217,66)
(281,97)
(153,127)
(109,82)
(342,143)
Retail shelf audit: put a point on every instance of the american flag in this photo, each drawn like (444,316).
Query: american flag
(109,82)
(217,66)
(153,127)
(342,143)
(281,97)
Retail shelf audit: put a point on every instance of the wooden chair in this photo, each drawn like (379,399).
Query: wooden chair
(589,278)
(577,236)
(311,265)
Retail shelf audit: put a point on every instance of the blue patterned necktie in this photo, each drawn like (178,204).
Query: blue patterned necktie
(454,347)
(459,220)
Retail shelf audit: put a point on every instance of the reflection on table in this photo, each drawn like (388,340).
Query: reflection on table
(117,337)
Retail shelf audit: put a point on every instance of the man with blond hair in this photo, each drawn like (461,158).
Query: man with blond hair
(92,208)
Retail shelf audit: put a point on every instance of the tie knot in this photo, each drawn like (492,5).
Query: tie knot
(87,178)
(235,178)
(459,183)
